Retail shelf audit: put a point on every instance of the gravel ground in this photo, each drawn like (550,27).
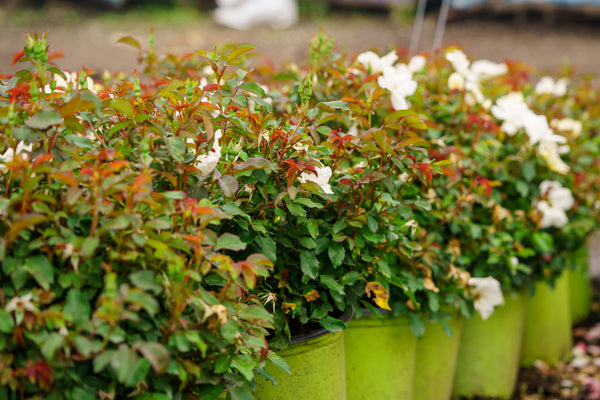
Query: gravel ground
(89,37)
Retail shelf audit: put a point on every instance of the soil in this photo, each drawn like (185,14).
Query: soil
(546,41)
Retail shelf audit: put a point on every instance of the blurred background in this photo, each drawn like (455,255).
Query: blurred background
(547,34)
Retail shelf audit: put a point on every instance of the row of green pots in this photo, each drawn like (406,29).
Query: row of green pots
(375,360)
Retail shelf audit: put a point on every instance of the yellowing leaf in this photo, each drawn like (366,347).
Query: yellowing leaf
(312,295)
(430,285)
(381,294)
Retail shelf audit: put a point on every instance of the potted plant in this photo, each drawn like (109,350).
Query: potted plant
(115,283)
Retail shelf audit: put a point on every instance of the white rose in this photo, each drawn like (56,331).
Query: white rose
(487,294)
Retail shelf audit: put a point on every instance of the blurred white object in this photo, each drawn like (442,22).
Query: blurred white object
(247,14)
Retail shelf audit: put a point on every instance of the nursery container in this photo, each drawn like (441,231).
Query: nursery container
(580,286)
(547,335)
(489,352)
(317,364)
(380,358)
(436,360)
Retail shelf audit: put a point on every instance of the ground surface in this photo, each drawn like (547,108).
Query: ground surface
(88,37)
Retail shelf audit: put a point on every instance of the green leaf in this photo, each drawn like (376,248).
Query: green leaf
(129,40)
(138,373)
(78,306)
(313,228)
(40,269)
(229,329)
(522,188)
(221,365)
(332,324)
(102,360)
(155,353)
(176,147)
(351,277)
(307,242)
(89,246)
(279,362)
(397,115)
(146,280)
(240,393)
(234,55)
(253,312)
(307,202)
(76,105)
(117,224)
(44,119)
(296,210)
(123,362)
(309,265)
(339,226)
(542,242)
(528,170)
(84,345)
(245,366)
(253,88)
(336,253)
(53,342)
(6,321)
(253,163)
(143,300)
(267,247)
(123,106)
(81,394)
(331,283)
(423,204)
(416,325)
(338,104)
(228,184)
(230,242)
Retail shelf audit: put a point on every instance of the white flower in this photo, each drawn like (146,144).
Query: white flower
(417,63)
(375,63)
(300,147)
(398,80)
(537,128)
(23,303)
(206,163)
(512,110)
(558,200)
(551,216)
(472,75)
(459,62)
(572,126)
(487,294)
(557,195)
(547,85)
(412,224)
(514,261)
(456,81)
(9,154)
(550,152)
(403,177)
(485,69)
(321,178)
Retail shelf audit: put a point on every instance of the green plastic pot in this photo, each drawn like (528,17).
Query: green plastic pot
(547,334)
(580,286)
(317,365)
(380,358)
(436,360)
(489,352)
